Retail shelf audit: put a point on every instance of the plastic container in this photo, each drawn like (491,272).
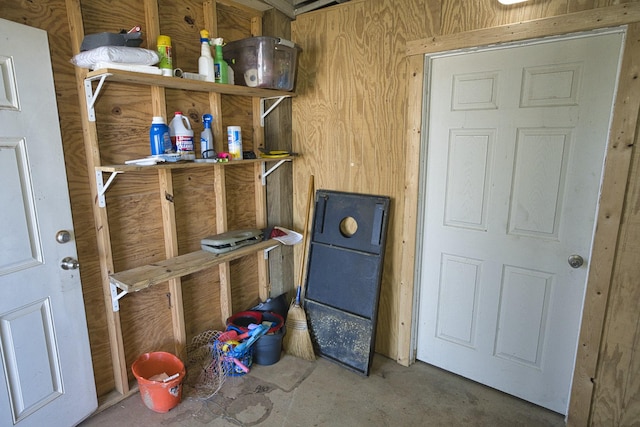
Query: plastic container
(268,348)
(159,137)
(230,367)
(206,139)
(164,52)
(266,62)
(240,321)
(182,136)
(205,62)
(159,396)
(277,321)
(234,139)
(92,41)
(278,305)
(243,319)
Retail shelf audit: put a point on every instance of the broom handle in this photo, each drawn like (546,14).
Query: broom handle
(305,234)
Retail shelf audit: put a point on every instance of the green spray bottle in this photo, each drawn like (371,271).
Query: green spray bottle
(220,67)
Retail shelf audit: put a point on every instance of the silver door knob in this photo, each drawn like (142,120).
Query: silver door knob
(575,261)
(69,263)
(63,236)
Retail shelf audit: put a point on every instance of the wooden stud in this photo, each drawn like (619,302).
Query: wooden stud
(415,71)
(90,135)
(171,250)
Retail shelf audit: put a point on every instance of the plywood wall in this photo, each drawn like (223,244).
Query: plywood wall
(124,115)
(349,122)
(349,118)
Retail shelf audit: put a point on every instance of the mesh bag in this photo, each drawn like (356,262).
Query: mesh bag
(206,366)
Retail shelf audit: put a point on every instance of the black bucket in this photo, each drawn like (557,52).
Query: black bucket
(276,305)
(268,348)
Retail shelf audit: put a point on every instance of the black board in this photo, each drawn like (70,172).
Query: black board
(344,273)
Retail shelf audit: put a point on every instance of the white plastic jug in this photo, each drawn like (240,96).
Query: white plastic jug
(182,136)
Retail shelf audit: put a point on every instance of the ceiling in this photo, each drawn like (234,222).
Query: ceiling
(291,8)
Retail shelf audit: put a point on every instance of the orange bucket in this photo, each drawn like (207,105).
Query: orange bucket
(159,395)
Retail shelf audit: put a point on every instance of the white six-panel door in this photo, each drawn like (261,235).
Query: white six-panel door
(46,375)
(516,142)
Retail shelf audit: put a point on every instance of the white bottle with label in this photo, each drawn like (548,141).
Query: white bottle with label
(205,62)
(234,139)
(182,136)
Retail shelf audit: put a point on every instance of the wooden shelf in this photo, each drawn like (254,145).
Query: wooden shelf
(114,170)
(185,165)
(184,84)
(145,276)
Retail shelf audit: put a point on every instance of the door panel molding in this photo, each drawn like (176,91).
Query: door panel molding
(30,329)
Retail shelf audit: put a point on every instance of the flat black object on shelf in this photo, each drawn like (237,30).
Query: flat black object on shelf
(346,256)
(92,41)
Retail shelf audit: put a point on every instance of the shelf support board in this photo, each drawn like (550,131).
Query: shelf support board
(104,186)
(91,96)
(264,113)
(266,172)
(115,296)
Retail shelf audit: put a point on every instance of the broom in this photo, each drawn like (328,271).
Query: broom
(297,341)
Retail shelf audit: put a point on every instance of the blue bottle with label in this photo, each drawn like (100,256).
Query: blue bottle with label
(159,137)
(206,139)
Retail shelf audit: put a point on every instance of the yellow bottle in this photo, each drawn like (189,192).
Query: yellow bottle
(164,51)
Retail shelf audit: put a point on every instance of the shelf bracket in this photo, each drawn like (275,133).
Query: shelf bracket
(266,172)
(263,113)
(115,296)
(269,249)
(91,96)
(103,186)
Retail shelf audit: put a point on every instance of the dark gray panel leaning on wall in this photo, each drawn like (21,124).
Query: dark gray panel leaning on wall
(346,256)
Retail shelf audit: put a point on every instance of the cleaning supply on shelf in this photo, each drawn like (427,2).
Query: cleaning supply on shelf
(234,139)
(206,139)
(182,136)
(205,62)
(231,79)
(159,136)
(220,66)
(163,46)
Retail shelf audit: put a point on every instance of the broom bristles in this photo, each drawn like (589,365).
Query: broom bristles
(297,341)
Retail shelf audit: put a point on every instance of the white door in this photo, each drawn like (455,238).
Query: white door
(46,377)
(516,143)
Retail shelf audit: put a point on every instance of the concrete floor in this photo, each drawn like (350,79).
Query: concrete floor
(294,392)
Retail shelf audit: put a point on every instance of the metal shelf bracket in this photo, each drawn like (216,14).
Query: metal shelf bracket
(266,172)
(264,113)
(91,96)
(115,296)
(102,186)
(269,249)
